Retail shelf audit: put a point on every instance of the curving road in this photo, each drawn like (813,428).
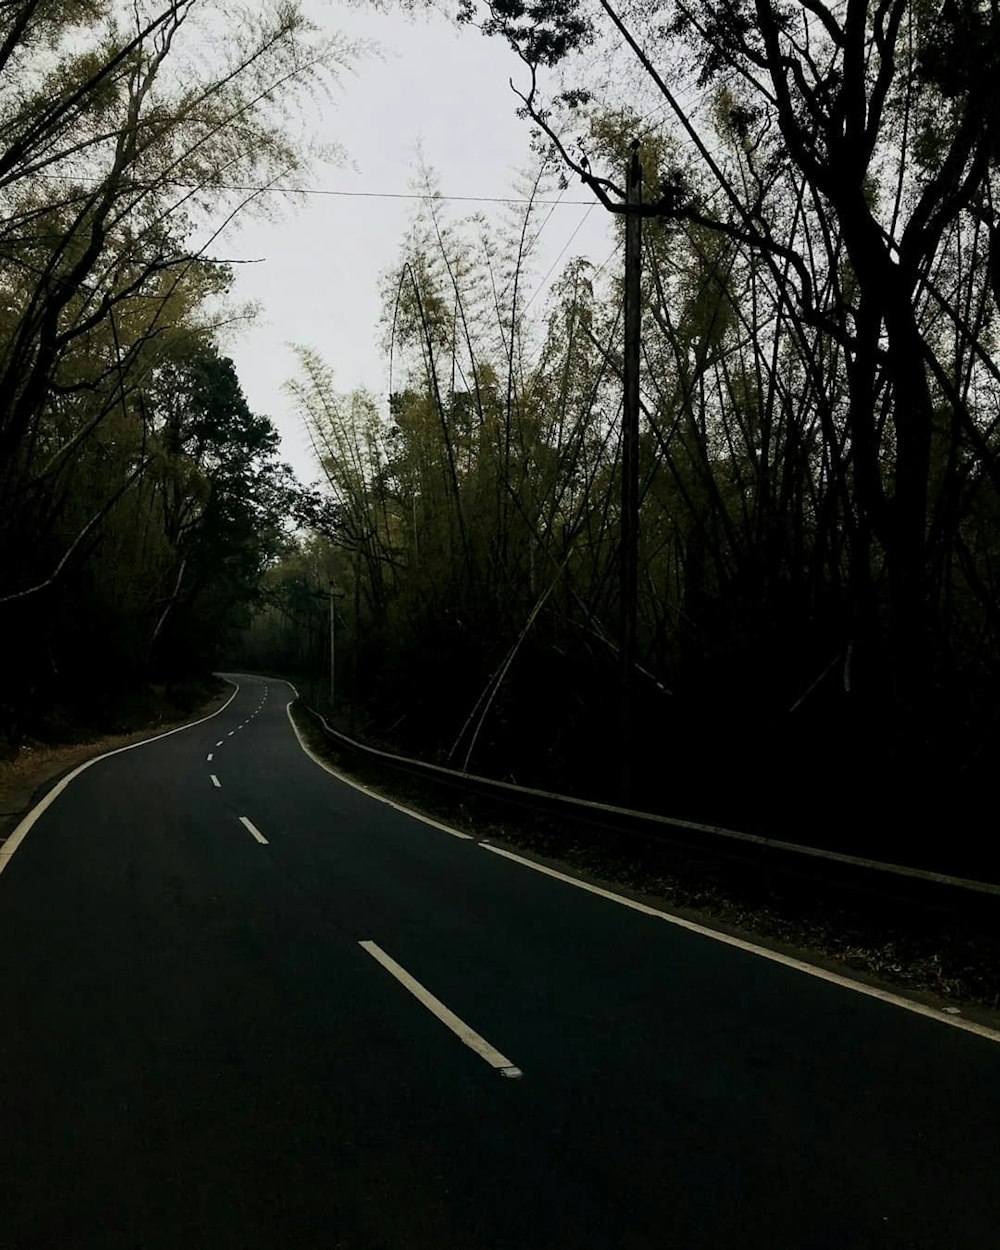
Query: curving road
(244,1004)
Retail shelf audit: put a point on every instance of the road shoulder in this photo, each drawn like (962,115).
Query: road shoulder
(941,958)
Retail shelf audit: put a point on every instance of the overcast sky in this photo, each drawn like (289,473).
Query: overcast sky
(443,88)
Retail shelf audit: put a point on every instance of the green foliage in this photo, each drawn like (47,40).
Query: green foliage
(473,526)
(140,499)
(818,447)
(546,30)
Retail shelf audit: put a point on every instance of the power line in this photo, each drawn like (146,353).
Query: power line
(329,191)
(607,260)
(548,216)
(565,247)
(596,273)
(401,195)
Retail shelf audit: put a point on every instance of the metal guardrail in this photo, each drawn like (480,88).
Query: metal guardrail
(633,816)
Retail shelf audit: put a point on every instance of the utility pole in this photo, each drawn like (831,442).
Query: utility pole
(629,558)
(333,644)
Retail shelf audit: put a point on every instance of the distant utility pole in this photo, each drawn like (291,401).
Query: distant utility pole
(629,558)
(333,644)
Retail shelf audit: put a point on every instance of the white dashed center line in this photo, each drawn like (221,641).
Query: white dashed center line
(215,781)
(437,1008)
(252,828)
(209,756)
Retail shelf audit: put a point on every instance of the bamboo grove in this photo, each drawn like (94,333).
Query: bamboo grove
(817,601)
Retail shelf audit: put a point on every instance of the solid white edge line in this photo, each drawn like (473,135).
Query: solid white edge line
(335,772)
(447,1017)
(252,828)
(21,831)
(215,781)
(788,961)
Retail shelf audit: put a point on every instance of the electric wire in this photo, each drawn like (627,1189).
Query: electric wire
(334,192)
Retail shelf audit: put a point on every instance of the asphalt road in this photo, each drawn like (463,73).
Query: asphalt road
(197,1051)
